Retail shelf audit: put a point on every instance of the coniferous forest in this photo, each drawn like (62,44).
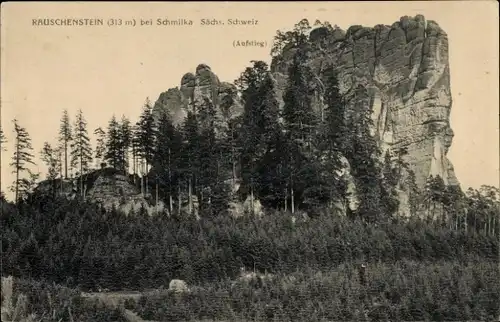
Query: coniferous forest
(307,260)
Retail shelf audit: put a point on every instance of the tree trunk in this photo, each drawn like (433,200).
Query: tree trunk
(171,204)
(17,172)
(134,161)
(81,171)
(142,178)
(156,196)
(233,163)
(65,159)
(190,196)
(286,198)
(465,220)
(251,200)
(146,178)
(179,199)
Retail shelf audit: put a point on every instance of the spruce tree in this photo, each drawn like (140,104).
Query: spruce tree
(134,144)
(126,141)
(390,180)
(334,112)
(81,150)
(167,153)
(21,158)
(100,149)
(269,183)
(190,155)
(145,139)
(113,144)
(3,140)
(300,126)
(325,185)
(363,154)
(212,191)
(65,137)
(50,157)
(249,84)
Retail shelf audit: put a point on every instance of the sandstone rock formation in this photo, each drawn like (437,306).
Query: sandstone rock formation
(178,286)
(194,89)
(406,71)
(108,187)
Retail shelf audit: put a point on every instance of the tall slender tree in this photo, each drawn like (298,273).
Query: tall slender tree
(249,84)
(100,149)
(3,140)
(81,150)
(145,138)
(190,154)
(50,157)
(65,137)
(126,142)
(20,160)
(269,181)
(113,144)
(167,153)
(363,154)
(300,125)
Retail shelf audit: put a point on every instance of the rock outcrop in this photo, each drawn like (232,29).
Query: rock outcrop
(108,187)
(194,89)
(405,69)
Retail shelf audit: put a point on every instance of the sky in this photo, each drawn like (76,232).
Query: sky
(106,70)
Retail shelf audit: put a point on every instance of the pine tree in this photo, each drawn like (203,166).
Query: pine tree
(65,137)
(50,157)
(435,195)
(100,150)
(190,155)
(135,147)
(328,143)
(3,140)
(300,126)
(21,158)
(334,112)
(81,150)
(211,162)
(363,154)
(145,139)
(390,180)
(113,144)
(126,141)
(167,153)
(269,183)
(249,85)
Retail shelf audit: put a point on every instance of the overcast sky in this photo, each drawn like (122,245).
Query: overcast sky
(111,70)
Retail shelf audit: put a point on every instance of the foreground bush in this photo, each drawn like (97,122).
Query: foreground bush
(38,301)
(405,291)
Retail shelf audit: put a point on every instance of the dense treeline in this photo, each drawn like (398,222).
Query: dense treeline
(78,244)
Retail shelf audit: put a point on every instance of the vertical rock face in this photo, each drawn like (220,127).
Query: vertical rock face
(194,90)
(405,69)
